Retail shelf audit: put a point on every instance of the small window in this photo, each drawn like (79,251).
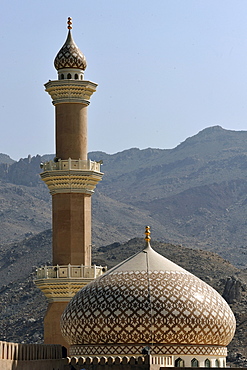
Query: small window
(62,76)
(76,76)
(194,363)
(217,363)
(179,362)
(81,77)
(69,76)
(207,363)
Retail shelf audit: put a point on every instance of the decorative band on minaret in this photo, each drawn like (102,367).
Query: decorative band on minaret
(71,179)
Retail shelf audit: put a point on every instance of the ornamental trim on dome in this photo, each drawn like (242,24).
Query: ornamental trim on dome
(156,349)
(70,56)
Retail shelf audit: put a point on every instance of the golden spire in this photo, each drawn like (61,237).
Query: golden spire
(147,233)
(69,23)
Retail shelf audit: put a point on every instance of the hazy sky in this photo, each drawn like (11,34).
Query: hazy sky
(166,69)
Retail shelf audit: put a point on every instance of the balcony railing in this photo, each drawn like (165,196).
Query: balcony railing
(70,271)
(71,164)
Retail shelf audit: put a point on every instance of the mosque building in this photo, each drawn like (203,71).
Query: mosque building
(146,312)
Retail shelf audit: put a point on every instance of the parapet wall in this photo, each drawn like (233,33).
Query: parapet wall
(16,356)
(26,352)
(20,356)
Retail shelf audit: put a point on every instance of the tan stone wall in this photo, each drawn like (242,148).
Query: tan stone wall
(32,365)
(71,131)
(71,229)
(31,357)
(52,331)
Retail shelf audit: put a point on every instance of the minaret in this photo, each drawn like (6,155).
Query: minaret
(71,179)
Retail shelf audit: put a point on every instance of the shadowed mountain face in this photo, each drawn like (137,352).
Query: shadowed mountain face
(194,194)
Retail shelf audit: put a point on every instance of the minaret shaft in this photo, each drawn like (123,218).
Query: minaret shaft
(71,229)
(71,131)
(71,216)
(52,332)
(71,179)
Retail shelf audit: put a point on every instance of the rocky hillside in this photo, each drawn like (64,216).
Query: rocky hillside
(194,195)
(23,305)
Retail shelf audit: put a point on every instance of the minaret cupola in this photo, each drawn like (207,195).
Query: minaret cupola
(70,62)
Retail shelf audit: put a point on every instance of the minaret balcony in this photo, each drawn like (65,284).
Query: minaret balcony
(71,176)
(71,164)
(70,91)
(70,271)
(61,283)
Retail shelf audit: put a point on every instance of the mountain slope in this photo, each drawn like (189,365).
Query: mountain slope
(194,194)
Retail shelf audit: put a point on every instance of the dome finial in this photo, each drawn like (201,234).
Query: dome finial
(147,233)
(69,23)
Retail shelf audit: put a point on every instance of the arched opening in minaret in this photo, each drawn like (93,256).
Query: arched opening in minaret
(76,76)
(69,76)
(62,76)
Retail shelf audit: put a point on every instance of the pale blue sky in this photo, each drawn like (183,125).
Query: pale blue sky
(166,69)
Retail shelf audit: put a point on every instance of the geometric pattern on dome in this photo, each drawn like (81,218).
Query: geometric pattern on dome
(70,56)
(127,350)
(117,308)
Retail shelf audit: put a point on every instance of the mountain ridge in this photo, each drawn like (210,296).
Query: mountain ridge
(194,194)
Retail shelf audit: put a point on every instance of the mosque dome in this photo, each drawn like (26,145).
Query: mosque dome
(147,299)
(70,56)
